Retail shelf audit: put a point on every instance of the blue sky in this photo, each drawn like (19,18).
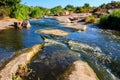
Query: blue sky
(63,3)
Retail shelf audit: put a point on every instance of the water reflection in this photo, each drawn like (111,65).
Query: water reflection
(11,40)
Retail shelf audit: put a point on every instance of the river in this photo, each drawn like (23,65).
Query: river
(101,51)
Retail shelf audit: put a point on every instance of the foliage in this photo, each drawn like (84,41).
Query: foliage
(91,19)
(85,9)
(7,6)
(58,10)
(70,8)
(104,7)
(36,12)
(22,73)
(21,12)
(45,11)
(111,21)
(103,20)
(9,2)
(5,11)
(86,5)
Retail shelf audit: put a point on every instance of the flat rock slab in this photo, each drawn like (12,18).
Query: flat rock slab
(82,72)
(24,57)
(64,19)
(55,32)
(7,23)
(76,26)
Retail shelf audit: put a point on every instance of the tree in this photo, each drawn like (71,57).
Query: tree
(21,12)
(69,8)
(57,10)
(9,3)
(7,6)
(86,5)
(36,12)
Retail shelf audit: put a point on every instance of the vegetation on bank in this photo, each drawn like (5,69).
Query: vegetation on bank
(91,19)
(22,73)
(111,21)
(19,11)
(14,9)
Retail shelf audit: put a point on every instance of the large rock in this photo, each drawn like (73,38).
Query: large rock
(26,24)
(22,24)
(55,32)
(77,26)
(82,72)
(24,57)
(64,19)
(18,25)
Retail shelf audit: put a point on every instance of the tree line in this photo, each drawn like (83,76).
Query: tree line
(14,9)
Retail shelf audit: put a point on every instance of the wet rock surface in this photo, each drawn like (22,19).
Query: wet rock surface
(57,62)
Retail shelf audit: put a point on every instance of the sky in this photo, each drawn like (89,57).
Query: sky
(63,3)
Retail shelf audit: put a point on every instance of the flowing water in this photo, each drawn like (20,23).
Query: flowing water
(99,47)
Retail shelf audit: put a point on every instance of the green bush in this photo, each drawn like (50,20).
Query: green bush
(36,12)
(57,10)
(111,21)
(91,19)
(7,7)
(5,11)
(21,12)
(103,20)
(22,73)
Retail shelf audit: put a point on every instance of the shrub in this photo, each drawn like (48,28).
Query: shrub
(36,12)
(111,21)
(103,20)
(21,12)
(5,11)
(91,19)
(22,73)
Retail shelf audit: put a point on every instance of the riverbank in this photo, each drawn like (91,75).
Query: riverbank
(7,23)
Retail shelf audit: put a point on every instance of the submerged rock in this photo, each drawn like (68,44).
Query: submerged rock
(24,57)
(55,32)
(57,62)
(22,24)
(54,59)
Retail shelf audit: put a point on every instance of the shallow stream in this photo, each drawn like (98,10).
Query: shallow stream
(99,47)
